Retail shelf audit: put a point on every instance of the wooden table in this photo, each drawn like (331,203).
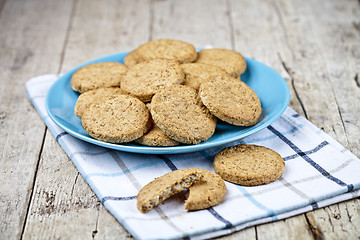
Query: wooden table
(314,45)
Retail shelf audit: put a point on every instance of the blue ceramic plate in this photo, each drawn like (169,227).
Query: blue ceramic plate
(271,88)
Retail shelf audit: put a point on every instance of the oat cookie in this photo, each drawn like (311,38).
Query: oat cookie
(98,75)
(180,51)
(179,113)
(145,79)
(207,192)
(156,137)
(195,73)
(249,165)
(232,62)
(116,119)
(86,98)
(231,100)
(132,58)
(165,186)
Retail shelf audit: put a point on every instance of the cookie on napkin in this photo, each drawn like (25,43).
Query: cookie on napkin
(165,186)
(249,165)
(207,192)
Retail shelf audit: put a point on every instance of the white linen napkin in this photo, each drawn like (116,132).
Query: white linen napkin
(319,172)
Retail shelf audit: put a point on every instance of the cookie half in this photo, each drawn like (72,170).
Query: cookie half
(85,99)
(207,192)
(165,186)
(98,75)
(180,51)
(231,61)
(178,112)
(249,165)
(145,79)
(195,73)
(116,119)
(231,100)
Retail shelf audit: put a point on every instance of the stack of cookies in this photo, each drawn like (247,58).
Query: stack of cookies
(165,94)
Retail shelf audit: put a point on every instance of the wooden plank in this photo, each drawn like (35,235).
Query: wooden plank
(332,52)
(70,207)
(63,205)
(29,46)
(198,22)
(301,35)
(99,31)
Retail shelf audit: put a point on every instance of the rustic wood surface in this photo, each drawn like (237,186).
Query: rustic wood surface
(314,45)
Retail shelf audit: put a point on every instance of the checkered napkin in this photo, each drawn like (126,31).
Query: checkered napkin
(319,172)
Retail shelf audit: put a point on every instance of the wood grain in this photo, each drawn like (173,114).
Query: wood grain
(29,47)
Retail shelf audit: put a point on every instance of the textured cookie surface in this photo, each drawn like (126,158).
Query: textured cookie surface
(231,100)
(132,58)
(145,79)
(178,112)
(207,192)
(232,62)
(86,98)
(195,73)
(156,137)
(249,165)
(165,186)
(116,119)
(180,51)
(98,75)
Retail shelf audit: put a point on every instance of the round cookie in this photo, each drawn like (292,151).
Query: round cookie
(165,186)
(86,98)
(156,137)
(195,73)
(249,165)
(143,80)
(232,62)
(179,113)
(116,119)
(207,192)
(231,100)
(132,58)
(180,51)
(98,75)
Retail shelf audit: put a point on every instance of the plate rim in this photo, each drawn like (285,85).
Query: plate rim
(163,150)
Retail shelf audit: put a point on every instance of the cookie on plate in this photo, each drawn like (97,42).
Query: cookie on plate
(116,119)
(195,73)
(85,99)
(98,75)
(165,186)
(180,51)
(156,137)
(145,79)
(207,192)
(231,61)
(231,100)
(249,165)
(132,58)
(179,113)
